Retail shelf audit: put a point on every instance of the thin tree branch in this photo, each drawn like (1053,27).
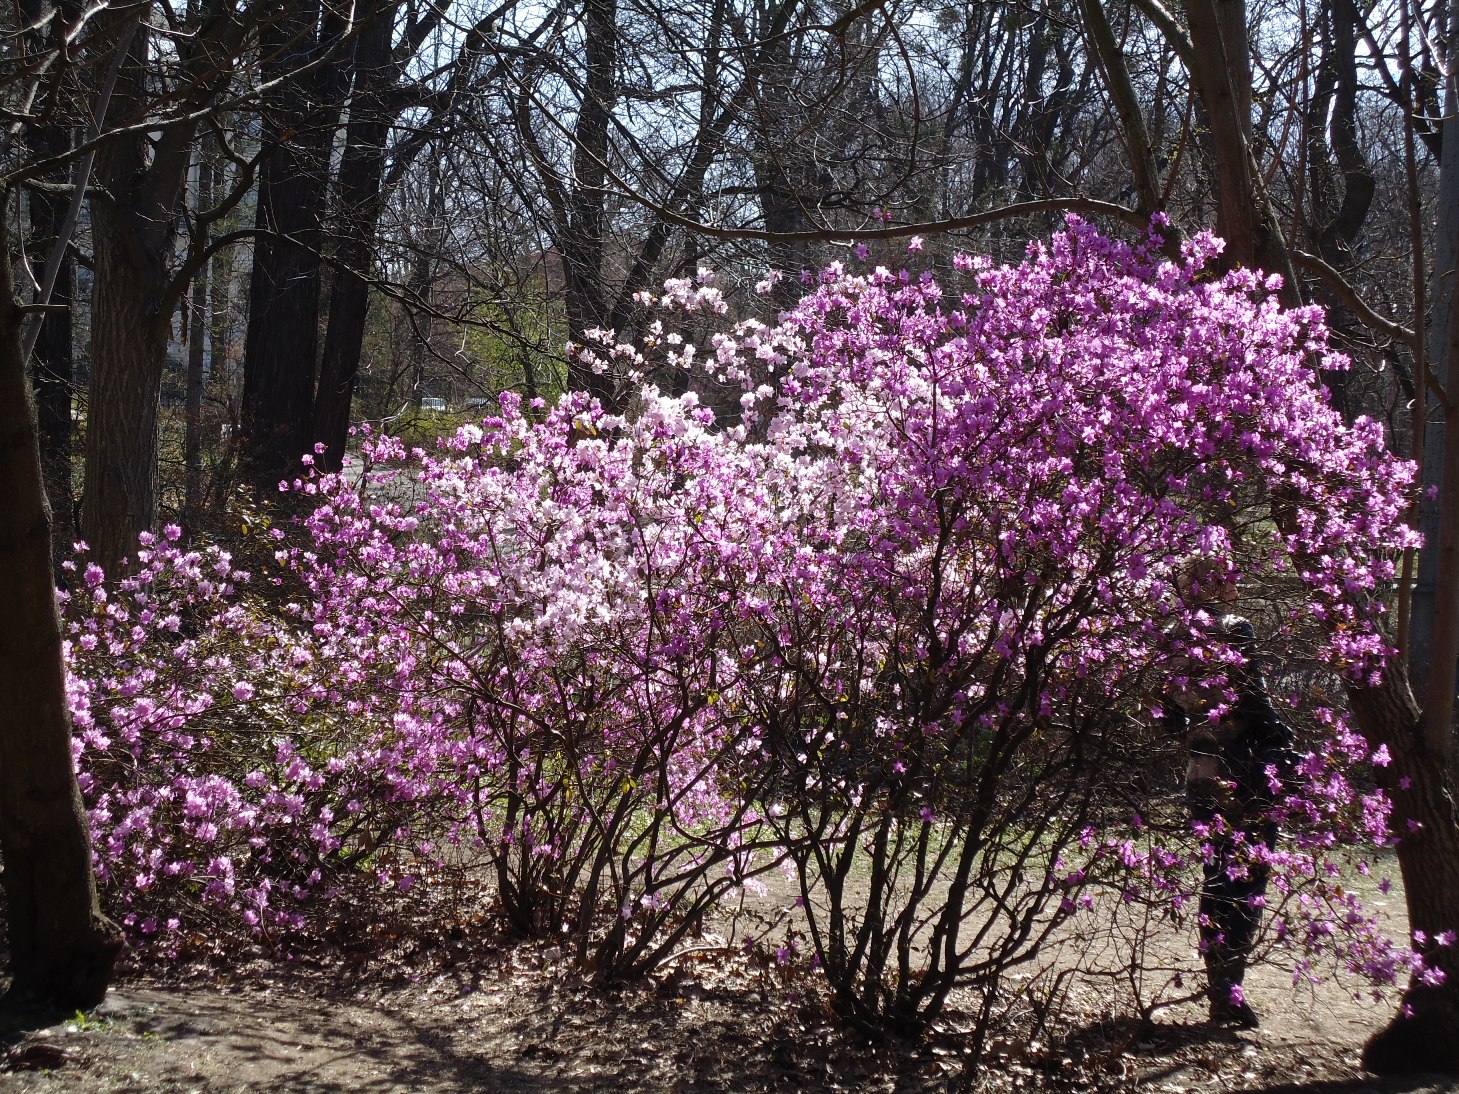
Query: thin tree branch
(1169,26)
(1345,292)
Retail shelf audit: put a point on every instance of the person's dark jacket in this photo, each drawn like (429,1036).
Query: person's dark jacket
(1229,757)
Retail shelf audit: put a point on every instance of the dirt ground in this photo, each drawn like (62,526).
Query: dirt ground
(474,1016)
(425,995)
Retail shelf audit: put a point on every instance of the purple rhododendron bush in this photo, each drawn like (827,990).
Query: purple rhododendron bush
(899,628)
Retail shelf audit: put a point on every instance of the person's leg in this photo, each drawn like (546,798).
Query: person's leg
(1239,908)
(1228,931)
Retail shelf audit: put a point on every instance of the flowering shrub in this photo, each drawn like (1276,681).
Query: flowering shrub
(902,622)
(996,493)
(559,602)
(218,785)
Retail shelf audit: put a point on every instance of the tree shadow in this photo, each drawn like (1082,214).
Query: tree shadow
(21,1014)
(1164,1050)
(1366,1084)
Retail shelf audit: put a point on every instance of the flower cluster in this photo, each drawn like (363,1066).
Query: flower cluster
(213,778)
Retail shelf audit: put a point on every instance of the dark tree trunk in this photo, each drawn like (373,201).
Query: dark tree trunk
(1341,185)
(138,179)
(583,245)
(1122,96)
(53,361)
(198,327)
(129,344)
(784,172)
(1334,154)
(360,202)
(1222,75)
(1431,599)
(132,224)
(1424,747)
(62,948)
(282,342)
(1424,1036)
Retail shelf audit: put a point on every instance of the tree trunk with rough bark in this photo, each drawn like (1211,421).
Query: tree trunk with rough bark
(137,183)
(281,345)
(197,335)
(1222,76)
(785,172)
(53,365)
(53,359)
(583,240)
(1424,1035)
(360,202)
(129,344)
(62,948)
(1440,299)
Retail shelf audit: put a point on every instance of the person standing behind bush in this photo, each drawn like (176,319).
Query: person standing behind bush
(1236,744)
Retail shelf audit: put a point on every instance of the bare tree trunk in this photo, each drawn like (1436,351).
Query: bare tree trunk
(1340,183)
(1222,75)
(133,219)
(1424,1035)
(1424,748)
(784,171)
(1134,132)
(1337,217)
(130,229)
(53,359)
(281,346)
(128,347)
(198,327)
(582,247)
(1440,298)
(54,364)
(62,948)
(360,202)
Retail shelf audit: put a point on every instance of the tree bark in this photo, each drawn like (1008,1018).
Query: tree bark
(360,203)
(132,224)
(53,360)
(198,327)
(1424,1035)
(128,347)
(1122,95)
(281,345)
(138,179)
(583,243)
(1437,489)
(1331,132)
(785,170)
(1221,71)
(1443,549)
(62,948)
